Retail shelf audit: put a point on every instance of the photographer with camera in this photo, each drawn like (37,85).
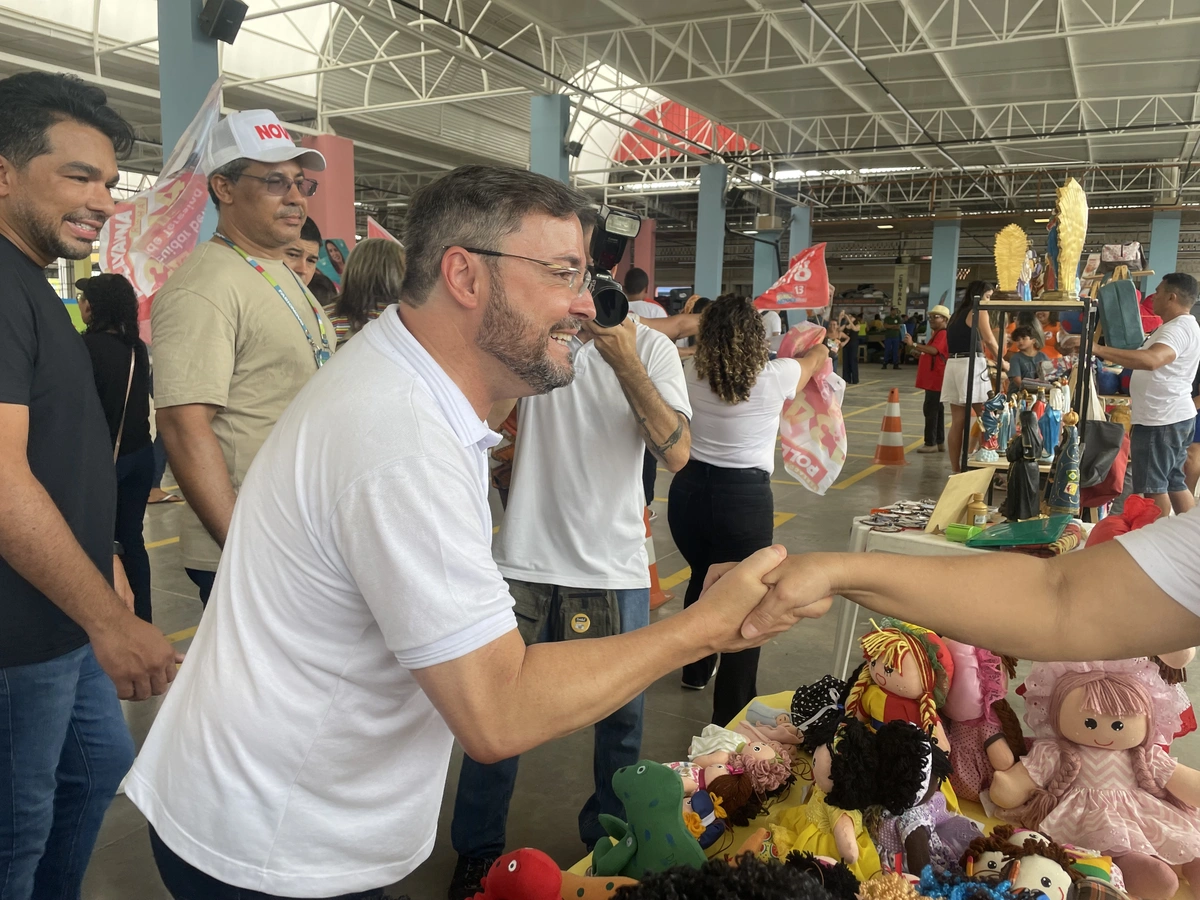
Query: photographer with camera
(572,543)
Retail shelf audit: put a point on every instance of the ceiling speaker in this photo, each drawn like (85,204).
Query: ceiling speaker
(221,19)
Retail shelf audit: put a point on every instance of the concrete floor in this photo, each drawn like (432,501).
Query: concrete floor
(555,779)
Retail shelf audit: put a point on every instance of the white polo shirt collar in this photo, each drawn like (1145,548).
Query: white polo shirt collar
(389,333)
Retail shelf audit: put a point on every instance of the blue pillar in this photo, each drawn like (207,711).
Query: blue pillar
(185,81)
(710,230)
(943,269)
(766,260)
(549,119)
(800,235)
(1164,246)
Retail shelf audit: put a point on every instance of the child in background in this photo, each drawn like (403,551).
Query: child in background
(930,370)
(1027,361)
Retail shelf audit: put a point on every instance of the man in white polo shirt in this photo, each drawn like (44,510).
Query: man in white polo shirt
(573,543)
(358,623)
(1160,395)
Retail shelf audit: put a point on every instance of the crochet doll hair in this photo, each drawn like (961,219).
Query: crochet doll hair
(738,797)
(996,842)
(889,886)
(836,878)
(952,884)
(749,879)
(853,764)
(909,760)
(1109,694)
(1048,849)
(889,643)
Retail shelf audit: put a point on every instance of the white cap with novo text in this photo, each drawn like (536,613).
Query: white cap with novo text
(256,134)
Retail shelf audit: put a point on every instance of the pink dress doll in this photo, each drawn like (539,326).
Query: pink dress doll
(984,732)
(1097,775)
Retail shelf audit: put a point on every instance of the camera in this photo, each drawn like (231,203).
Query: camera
(614,229)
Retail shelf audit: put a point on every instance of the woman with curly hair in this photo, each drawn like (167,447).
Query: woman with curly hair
(720,504)
(370,284)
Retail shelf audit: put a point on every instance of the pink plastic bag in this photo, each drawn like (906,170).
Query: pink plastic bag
(811,425)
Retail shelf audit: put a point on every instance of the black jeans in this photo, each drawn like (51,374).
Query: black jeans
(850,362)
(935,418)
(204,581)
(186,882)
(721,515)
(135,474)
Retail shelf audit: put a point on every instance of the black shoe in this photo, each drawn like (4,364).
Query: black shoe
(468,877)
(894,367)
(694,681)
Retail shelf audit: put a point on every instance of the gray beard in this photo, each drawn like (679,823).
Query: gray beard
(511,338)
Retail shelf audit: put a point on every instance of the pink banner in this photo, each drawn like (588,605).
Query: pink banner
(152,232)
(375,230)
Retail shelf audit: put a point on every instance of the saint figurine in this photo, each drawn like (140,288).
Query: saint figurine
(1024,455)
(1062,488)
(989,421)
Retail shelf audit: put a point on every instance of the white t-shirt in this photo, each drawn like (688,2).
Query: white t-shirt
(575,501)
(647,309)
(742,435)
(1166,551)
(1164,396)
(773,323)
(295,754)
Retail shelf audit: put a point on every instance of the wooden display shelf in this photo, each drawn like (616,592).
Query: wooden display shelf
(1035,305)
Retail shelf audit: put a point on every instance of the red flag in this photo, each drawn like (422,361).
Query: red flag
(375,230)
(805,285)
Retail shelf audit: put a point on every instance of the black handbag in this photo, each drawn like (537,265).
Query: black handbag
(1101,445)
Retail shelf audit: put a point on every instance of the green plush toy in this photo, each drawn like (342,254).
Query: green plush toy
(655,838)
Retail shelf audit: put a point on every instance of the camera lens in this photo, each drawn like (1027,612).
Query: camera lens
(612,306)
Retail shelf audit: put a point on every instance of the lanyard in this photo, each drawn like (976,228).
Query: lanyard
(320,354)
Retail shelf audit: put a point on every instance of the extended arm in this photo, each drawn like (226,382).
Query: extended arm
(810,364)
(506,698)
(37,542)
(676,327)
(198,464)
(1154,357)
(1073,607)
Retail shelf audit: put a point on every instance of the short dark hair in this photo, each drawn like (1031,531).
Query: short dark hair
(1183,284)
(323,288)
(636,281)
(310,232)
(475,206)
(33,102)
(231,170)
(1022,331)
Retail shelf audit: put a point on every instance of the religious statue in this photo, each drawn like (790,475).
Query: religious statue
(1007,426)
(1062,488)
(1051,425)
(1064,242)
(1009,252)
(989,421)
(1024,455)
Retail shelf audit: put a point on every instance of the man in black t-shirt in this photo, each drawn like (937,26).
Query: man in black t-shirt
(66,636)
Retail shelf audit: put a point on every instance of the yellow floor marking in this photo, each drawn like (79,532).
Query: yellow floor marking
(495,529)
(871,470)
(178,636)
(863,383)
(684,574)
(864,409)
(162,543)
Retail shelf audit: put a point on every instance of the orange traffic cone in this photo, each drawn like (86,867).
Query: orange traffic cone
(890,449)
(657,595)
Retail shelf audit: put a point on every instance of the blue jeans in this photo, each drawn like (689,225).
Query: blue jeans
(203,580)
(484,791)
(64,749)
(891,351)
(135,473)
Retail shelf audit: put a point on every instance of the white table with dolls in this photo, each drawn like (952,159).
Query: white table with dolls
(798,817)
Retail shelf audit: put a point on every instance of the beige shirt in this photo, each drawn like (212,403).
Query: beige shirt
(223,336)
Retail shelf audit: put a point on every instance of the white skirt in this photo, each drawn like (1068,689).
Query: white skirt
(954,383)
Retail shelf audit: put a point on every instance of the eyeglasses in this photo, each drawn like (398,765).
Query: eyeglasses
(280,185)
(577,280)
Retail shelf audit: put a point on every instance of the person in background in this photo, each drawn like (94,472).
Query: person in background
(773,325)
(893,328)
(1048,321)
(850,332)
(121,367)
(691,309)
(931,369)
(302,254)
(1191,467)
(236,333)
(1027,361)
(954,381)
(637,286)
(720,507)
(323,289)
(70,645)
(370,284)
(1160,395)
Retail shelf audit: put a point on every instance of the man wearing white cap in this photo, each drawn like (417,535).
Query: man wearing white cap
(236,333)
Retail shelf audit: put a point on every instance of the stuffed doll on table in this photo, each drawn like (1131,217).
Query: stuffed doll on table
(1097,775)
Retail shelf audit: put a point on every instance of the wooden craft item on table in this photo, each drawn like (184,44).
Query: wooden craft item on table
(952,505)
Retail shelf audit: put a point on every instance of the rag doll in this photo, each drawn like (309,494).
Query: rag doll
(1043,866)
(704,817)
(938,883)
(1097,776)
(532,875)
(831,822)
(907,675)
(818,703)
(759,751)
(918,829)
(985,734)
(835,877)
(747,785)
(888,886)
(698,778)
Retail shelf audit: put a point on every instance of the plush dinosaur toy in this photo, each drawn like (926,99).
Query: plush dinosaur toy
(656,837)
(532,875)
